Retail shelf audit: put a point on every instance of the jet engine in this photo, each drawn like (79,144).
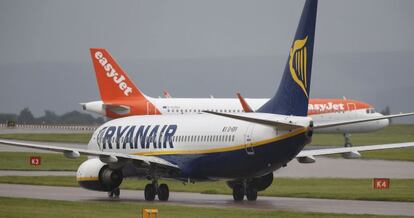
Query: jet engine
(95,175)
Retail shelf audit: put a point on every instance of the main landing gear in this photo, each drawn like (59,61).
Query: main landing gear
(114,193)
(241,190)
(347,140)
(152,189)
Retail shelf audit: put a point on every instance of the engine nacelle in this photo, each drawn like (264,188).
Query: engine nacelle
(95,107)
(95,175)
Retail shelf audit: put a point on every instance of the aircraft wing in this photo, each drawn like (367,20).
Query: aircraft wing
(340,123)
(326,151)
(106,157)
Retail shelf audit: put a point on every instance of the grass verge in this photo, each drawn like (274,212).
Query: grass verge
(49,161)
(50,137)
(21,207)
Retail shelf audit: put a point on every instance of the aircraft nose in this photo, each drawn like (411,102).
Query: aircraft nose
(384,122)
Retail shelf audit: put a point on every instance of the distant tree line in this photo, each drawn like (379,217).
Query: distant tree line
(71,118)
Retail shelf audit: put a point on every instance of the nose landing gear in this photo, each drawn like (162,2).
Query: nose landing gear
(347,137)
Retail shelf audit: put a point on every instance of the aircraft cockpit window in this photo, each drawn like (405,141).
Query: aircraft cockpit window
(370,110)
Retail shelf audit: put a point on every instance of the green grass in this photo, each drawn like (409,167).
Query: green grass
(21,207)
(328,188)
(52,137)
(50,161)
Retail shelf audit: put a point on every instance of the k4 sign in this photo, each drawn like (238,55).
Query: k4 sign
(35,160)
(381,183)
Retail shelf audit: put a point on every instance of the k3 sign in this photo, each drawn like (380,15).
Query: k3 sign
(35,160)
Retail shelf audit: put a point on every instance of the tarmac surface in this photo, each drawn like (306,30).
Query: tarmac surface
(216,201)
(324,167)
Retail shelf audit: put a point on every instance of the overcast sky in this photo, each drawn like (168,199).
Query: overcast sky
(363,49)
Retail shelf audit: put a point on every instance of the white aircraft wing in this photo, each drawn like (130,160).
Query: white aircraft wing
(106,157)
(340,123)
(326,151)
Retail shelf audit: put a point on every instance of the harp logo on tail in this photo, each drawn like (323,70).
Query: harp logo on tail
(298,63)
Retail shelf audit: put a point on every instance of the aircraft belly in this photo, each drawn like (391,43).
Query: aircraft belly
(238,163)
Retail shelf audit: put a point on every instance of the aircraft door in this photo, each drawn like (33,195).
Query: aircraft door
(249,140)
(351,107)
(150,108)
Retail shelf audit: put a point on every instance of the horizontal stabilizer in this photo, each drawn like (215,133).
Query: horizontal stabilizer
(325,125)
(281,125)
(117,108)
(326,151)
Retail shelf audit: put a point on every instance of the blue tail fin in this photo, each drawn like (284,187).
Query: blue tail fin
(293,94)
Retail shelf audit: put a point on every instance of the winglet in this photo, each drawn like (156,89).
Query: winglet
(244,104)
(166,94)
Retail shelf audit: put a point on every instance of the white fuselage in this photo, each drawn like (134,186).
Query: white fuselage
(188,140)
(174,106)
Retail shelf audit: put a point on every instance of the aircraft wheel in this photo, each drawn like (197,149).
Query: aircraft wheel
(163,192)
(150,191)
(117,192)
(114,193)
(238,193)
(251,194)
(348,145)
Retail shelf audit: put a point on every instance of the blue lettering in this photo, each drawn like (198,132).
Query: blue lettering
(141,135)
(129,138)
(152,136)
(160,136)
(119,133)
(169,133)
(107,138)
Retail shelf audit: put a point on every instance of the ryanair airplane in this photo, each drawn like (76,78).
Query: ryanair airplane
(242,148)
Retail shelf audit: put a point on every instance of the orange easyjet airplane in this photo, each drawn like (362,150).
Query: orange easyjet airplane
(121,98)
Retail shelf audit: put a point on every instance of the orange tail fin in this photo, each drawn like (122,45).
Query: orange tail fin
(116,89)
(113,82)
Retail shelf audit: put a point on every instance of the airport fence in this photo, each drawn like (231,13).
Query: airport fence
(63,127)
